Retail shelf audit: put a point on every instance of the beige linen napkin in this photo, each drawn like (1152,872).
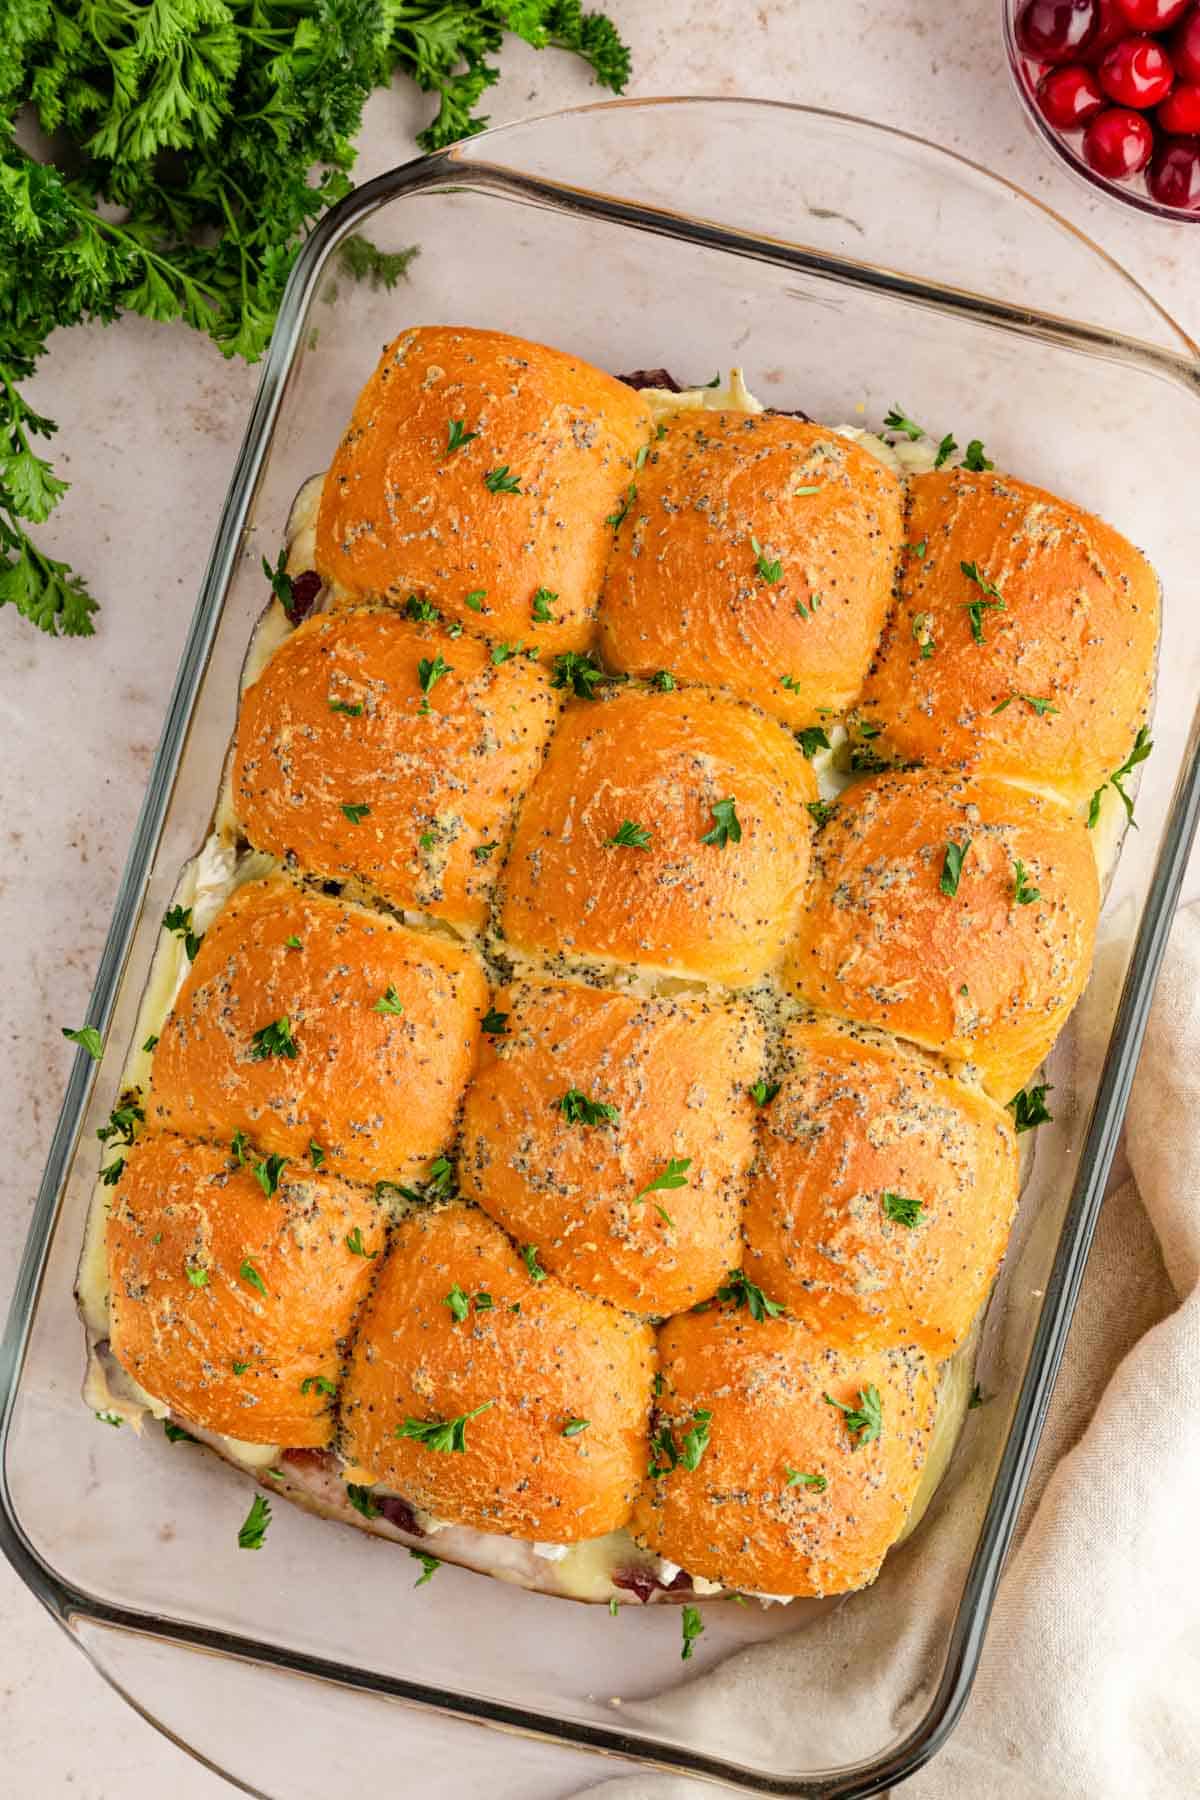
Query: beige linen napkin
(1089,1685)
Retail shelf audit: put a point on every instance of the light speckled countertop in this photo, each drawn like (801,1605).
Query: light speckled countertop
(154,419)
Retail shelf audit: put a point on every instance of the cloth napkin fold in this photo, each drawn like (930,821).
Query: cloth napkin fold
(1089,1685)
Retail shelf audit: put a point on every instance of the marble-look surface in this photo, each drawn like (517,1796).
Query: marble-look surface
(154,417)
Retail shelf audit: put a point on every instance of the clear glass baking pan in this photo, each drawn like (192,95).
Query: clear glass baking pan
(847,268)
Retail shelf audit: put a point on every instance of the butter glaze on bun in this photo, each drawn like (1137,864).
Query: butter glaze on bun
(882,1195)
(230,1305)
(537,1359)
(686,589)
(722,911)
(376,1089)
(738,1517)
(973,975)
(402,512)
(350,713)
(1077,634)
(676,1072)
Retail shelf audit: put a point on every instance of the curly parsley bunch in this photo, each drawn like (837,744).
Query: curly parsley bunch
(200,140)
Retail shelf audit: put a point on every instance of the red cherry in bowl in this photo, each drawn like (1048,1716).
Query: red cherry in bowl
(1111,24)
(1179,113)
(1069,96)
(1174,174)
(1118,143)
(1056,30)
(1185,47)
(1152,15)
(1136,72)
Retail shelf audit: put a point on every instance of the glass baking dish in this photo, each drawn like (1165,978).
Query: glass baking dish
(846,267)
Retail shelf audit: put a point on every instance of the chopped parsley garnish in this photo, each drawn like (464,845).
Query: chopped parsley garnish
(267,1173)
(726,824)
(1023,894)
(693,1627)
(994,599)
(1029,1109)
(197,1276)
(664,681)
(812,738)
(389,1002)
(673,1176)
(978,1398)
(864,1421)
(499,481)
(793,683)
(695,1439)
(274,1040)
(151,1043)
(502,652)
(739,1288)
(251,1276)
(421,610)
(577,669)
(440,1179)
(919,548)
(763,1092)
(123,1122)
(175,1434)
(178,921)
(577,1109)
(239,1368)
(540,607)
(768,569)
(801,1478)
(322,1383)
(87,1037)
(113,1172)
(820,811)
(484,1302)
(573,1427)
(1040,706)
(254,1530)
(617,519)
(475,599)
(614,1606)
(292,943)
(449,1436)
(495,1023)
(356,1247)
(898,420)
(343,706)
(281,581)
(1142,746)
(429,1566)
(975,460)
(901,1210)
(952,866)
(629,836)
(457,436)
(429,672)
(945,450)
(663,1454)
(362,1500)
(481,852)
(354,812)
(458,1303)
(316,1155)
(806,612)
(530,1259)
(427,840)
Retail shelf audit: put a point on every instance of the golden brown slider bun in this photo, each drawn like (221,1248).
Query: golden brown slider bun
(404,512)
(231,1304)
(974,974)
(344,762)
(882,1195)
(665,764)
(687,590)
(543,1153)
(360,1038)
(527,1362)
(1056,691)
(787,1496)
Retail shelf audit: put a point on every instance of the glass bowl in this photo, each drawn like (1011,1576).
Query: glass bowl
(848,268)
(1132,190)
